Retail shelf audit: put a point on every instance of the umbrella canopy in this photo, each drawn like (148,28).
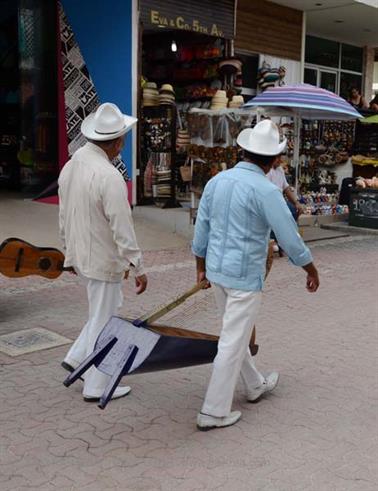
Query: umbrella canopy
(307,102)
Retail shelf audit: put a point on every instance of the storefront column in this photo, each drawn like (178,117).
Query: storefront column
(368,73)
(303,46)
(134,90)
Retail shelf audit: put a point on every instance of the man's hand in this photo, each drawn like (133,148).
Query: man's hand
(201,276)
(299,209)
(141,283)
(201,272)
(312,277)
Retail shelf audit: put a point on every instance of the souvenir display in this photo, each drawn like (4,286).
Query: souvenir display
(219,101)
(213,146)
(230,66)
(158,150)
(182,140)
(322,203)
(365,149)
(269,77)
(211,129)
(167,94)
(187,73)
(324,146)
(328,142)
(157,133)
(236,102)
(150,94)
(367,183)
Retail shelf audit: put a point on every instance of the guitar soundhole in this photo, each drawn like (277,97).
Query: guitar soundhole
(44,263)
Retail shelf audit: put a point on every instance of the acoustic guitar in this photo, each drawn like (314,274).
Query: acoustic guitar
(19,258)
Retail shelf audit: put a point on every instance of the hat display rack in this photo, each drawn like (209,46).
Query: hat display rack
(201,74)
(158,151)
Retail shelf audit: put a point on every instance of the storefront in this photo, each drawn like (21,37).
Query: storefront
(184,69)
(182,46)
(97,63)
(60,60)
(28,94)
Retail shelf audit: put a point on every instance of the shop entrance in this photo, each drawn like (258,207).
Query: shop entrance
(179,72)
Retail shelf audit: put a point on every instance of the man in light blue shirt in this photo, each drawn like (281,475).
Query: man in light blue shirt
(238,209)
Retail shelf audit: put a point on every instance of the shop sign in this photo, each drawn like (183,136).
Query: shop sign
(213,19)
(180,22)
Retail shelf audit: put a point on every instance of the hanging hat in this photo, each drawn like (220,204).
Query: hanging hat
(230,66)
(263,139)
(106,123)
(167,88)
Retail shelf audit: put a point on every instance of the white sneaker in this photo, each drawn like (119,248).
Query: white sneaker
(270,382)
(206,422)
(119,392)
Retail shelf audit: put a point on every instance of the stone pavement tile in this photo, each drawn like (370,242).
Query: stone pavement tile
(13,483)
(312,433)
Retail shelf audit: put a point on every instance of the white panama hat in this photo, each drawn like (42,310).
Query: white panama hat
(263,139)
(106,123)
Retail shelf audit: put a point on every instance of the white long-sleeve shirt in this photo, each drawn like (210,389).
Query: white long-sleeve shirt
(277,177)
(95,220)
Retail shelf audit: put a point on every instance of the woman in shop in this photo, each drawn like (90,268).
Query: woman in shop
(356,99)
(374,104)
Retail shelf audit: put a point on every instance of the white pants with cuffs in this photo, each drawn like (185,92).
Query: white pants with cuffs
(104,299)
(239,310)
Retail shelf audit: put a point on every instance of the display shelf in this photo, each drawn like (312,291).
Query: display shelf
(186,81)
(316,187)
(194,99)
(166,61)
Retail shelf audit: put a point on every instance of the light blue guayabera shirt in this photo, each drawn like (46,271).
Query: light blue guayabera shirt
(237,210)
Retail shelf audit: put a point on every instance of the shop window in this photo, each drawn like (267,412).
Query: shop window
(347,73)
(328,81)
(249,73)
(9,95)
(322,52)
(38,93)
(351,58)
(347,81)
(311,76)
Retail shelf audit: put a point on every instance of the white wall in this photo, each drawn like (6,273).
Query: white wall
(293,68)
(375,77)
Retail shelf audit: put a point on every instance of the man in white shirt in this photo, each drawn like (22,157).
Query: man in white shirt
(276,175)
(98,234)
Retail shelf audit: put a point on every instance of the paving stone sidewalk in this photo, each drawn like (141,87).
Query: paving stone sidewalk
(317,431)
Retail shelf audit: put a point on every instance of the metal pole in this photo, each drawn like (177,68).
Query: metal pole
(297,129)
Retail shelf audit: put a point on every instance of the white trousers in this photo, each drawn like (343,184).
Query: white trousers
(104,299)
(239,310)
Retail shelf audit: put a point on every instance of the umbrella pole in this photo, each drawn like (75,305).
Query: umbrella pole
(297,129)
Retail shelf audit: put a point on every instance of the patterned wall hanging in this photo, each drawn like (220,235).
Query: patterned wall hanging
(80,94)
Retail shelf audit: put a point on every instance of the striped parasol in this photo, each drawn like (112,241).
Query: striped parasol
(306,102)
